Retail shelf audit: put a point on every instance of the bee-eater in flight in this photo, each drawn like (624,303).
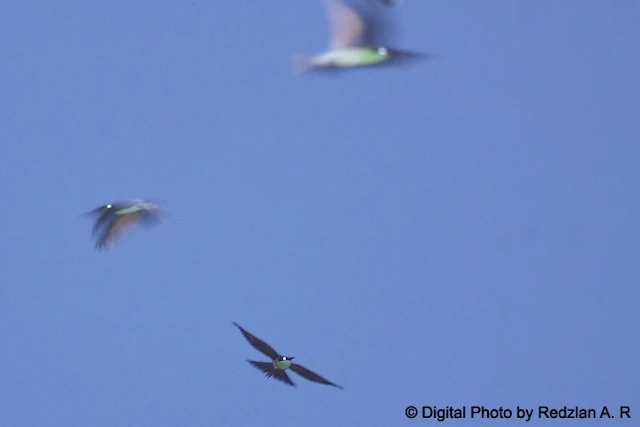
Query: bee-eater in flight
(115,220)
(352,43)
(279,364)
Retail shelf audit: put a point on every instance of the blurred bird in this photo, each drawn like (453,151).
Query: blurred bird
(117,219)
(279,364)
(353,42)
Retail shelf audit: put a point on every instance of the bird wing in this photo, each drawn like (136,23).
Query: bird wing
(103,214)
(258,344)
(102,220)
(347,27)
(151,217)
(311,376)
(270,371)
(119,226)
(266,367)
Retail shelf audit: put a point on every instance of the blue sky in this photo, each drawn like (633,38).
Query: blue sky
(462,231)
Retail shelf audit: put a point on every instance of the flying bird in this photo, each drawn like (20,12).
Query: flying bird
(115,220)
(279,364)
(354,42)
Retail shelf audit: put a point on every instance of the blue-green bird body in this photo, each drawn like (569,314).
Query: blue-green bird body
(282,364)
(349,57)
(354,57)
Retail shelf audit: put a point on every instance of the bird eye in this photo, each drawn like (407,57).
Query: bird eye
(382,51)
(108,206)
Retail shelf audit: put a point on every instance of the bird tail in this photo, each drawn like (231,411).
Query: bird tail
(266,367)
(271,372)
(301,64)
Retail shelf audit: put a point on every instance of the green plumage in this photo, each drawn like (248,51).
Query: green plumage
(350,57)
(282,364)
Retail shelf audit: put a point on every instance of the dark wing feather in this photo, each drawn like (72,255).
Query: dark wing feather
(151,217)
(347,27)
(281,375)
(103,214)
(119,225)
(271,371)
(258,344)
(266,367)
(311,376)
(379,27)
(107,215)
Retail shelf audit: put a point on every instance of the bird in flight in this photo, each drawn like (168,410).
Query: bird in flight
(354,42)
(115,220)
(279,364)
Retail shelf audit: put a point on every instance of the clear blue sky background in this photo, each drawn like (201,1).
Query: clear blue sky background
(459,232)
